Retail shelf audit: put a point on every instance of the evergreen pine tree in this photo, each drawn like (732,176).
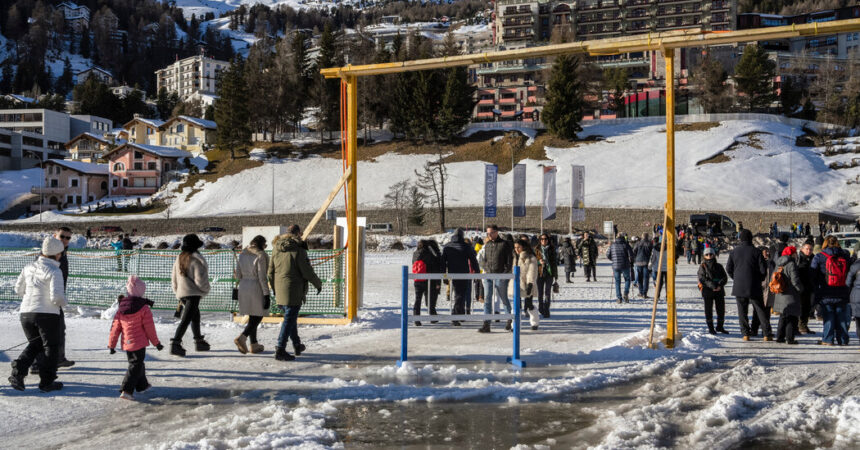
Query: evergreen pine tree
(8,76)
(457,104)
(615,81)
(86,46)
(754,75)
(231,108)
(165,102)
(328,90)
(64,81)
(563,110)
(302,79)
(416,206)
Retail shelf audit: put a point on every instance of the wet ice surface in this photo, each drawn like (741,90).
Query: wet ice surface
(590,383)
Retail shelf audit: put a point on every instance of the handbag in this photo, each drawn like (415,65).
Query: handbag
(178,313)
(555,288)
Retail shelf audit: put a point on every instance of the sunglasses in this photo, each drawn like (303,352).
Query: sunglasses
(65,237)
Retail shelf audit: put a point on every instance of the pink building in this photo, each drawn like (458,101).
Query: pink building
(140,169)
(70,183)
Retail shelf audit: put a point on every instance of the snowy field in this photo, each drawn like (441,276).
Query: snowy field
(590,383)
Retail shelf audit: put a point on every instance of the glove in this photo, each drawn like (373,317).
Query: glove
(267,301)
(159,347)
(112,350)
(529,288)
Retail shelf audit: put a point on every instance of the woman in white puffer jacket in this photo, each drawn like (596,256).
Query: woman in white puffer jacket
(40,287)
(528,264)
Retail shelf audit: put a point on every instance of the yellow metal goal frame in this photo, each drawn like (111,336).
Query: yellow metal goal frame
(665,42)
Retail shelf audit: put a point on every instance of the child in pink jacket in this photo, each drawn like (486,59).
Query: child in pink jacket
(134,321)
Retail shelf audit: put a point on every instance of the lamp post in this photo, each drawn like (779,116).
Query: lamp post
(634,85)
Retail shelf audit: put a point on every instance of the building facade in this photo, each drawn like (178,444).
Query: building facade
(87,147)
(33,135)
(104,76)
(70,183)
(77,17)
(189,133)
(143,131)
(191,75)
(140,169)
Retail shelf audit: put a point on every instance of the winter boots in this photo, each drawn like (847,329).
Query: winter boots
(485,328)
(51,387)
(201,345)
(17,383)
(568,277)
(176,348)
(626,298)
(299,349)
(241,343)
(509,325)
(126,396)
(256,348)
(282,355)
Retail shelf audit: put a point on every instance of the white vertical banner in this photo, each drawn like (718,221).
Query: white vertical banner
(577,193)
(491,172)
(548,193)
(519,194)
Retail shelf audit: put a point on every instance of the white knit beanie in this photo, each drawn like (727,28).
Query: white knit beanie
(52,246)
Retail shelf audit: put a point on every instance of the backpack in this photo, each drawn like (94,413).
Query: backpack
(419,267)
(777,282)
(835,270)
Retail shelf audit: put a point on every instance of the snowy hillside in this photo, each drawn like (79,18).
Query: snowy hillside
(219,7)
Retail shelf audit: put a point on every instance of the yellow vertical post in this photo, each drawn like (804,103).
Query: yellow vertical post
(669,230)
(352,198)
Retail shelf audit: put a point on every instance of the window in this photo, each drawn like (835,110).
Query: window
(70,198)
(138,166)
(151,165)
(138,155)
(115,183)
(55,183)
(151,182)
(78,200)
(104,185)
(139,182)
(119,167)
(74,182)
(180,128)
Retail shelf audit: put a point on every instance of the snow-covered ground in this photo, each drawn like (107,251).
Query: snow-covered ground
(589,383)
(15,184)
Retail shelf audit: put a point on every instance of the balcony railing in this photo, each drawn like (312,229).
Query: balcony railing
(517,11)
(47,190)
(598,5)
(507,100)
(519,22)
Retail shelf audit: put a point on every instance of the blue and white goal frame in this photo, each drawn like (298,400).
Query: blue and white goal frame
(405,317)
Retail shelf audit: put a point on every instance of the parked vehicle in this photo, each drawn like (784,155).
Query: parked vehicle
(212,230)
(722,225)
(381,227)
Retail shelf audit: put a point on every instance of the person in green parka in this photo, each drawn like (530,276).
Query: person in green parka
(290,272)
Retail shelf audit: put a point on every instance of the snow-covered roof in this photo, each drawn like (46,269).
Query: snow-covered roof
(82,167)
(194,120)
(96,68)
(154,123)
(87,134)
(158,150)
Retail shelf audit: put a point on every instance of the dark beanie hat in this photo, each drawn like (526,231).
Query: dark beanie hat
(191,243)
(746,236)
(783,237)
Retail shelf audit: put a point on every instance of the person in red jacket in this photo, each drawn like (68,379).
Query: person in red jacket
(133,320)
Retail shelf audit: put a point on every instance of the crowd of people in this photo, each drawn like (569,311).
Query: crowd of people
(818,279)
(42,288)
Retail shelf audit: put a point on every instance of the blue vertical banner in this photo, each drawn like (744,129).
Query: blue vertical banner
(519,193)
(491,172)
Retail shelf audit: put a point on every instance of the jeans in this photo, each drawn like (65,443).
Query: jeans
(835,323)
(758,309)
(251,328)
(190,316)
(618,275)
(500,289)
(290,327)
(544,289)
(44,334)
(135,376)
(642,278)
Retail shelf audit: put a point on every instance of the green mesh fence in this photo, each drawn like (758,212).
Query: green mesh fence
(97,277)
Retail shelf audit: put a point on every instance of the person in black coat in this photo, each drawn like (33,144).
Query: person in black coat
(747,268)
(428,253)
(804,269)
(712,280)
(459,257)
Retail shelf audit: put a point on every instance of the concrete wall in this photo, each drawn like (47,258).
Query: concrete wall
(629,220)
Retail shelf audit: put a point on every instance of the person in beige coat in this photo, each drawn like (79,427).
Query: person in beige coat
(254,297)
(190,280)
(528,264)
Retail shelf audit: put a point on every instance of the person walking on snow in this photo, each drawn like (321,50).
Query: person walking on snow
(852,281)
(787,303)
(458,257)
(641,257)
(567,255)
(528,264)
(40,286)
(133,320)
(747,267)
(804,269)
(496,256)
(830,269)
(190,282)
(290,272)
(588,255)
(426,259)
(254,298)
(621,256)
(547,273)
(712,281)
(64,235)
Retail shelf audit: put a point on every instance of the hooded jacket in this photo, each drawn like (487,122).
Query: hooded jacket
(458,256)
(588,251)
(40,286)
(567,254)
(825,294)
(788,302)
(133,320)
(853,282)
(290,271)
(747,268)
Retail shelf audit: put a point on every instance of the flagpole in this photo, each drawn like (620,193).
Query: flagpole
(542,196)
(570,213)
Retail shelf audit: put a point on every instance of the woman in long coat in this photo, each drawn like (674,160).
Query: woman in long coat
(254,298)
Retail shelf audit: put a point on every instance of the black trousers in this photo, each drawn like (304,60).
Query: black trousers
(421,292)
(44,334)
(757,321)
(461,291)
(135,376)
(590,271)
(805,308)
(544,287)
(787,328)
(190,316)
(758,311)
(857,325)
(251,328)
(718,300)
(61,349)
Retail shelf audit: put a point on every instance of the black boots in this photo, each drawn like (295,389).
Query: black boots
(299,349)
(282,355)
(201,345)
(17,383)
(485,328)
(176,348)
(53,386)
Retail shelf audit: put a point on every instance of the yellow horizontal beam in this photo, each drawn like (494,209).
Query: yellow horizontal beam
(691,37)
